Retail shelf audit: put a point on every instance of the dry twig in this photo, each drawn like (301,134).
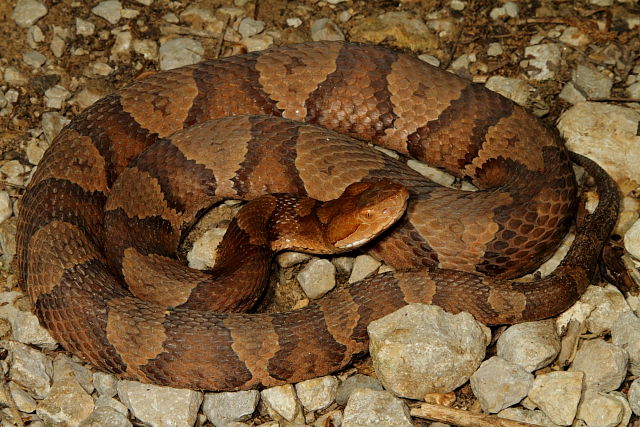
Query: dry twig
(462,418)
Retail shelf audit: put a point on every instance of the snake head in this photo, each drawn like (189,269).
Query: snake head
(362,212)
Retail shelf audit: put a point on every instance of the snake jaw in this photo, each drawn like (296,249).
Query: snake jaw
(368,209)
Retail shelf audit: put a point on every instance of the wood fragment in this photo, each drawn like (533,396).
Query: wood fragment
(221,38)
(463,418)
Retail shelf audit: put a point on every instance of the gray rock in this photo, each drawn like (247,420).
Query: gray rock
(333,418)
(625,333)
(514,89)
(180,51)
(325,29)
(283,404)
(55,96)
(599,409)
(499,384)
(29,368)
(35,150)
(604,365)
(634,90)
(575,37)
(13,172)
(368,407)
(6,209)
(84,28)
(607,134)
(506,11)
(34,59)
(160,406)
(294,22)
(34,36)
(495,49)
(27,12)
(558,394)
(353,383)
(634,396)
(592,82)
(527,416)
(317,393)
(544,60)
(571,94)
(250,27)
(608,303)
(57,45)
(289,259)
(110,402)
(52,124)
(203,252)
(22,399)
(432,173)
(363,266)
(422,349)
(532,345)
(105,384)
(64,367)
(110,10)
(259,42)
(622,398)
(105,416)
(632,240)
(8,240)
(14,77)
(122,46)
(317,278)
(67,403)
(223,408)
(86,97)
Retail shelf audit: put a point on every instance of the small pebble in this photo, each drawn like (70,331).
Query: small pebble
(558,394)
(604,365)
(363,266)
(325,29)
(499,384)
(283,403)
(634,396)
(34,58)
(250,27)
(317,393)
(227,407)
(180,51)
(373,408)
(532,345)
(599,409)
(84,28)
(353,383)
(111,10)
(317,278)
(162,406)
(27,12)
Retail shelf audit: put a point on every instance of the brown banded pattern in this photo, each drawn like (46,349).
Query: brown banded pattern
(191,137)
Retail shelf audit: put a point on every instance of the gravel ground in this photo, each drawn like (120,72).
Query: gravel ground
(573,61)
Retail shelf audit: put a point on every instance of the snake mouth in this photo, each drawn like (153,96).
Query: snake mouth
(378,207)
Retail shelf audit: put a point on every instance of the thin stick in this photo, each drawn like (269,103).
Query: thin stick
(463,418)
(614,99)
(221,39)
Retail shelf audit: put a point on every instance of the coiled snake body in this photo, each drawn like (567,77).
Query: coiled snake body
(452,248)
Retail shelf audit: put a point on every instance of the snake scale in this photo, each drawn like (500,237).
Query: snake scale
(123,182)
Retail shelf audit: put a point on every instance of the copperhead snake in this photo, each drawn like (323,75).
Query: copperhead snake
(121,184)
